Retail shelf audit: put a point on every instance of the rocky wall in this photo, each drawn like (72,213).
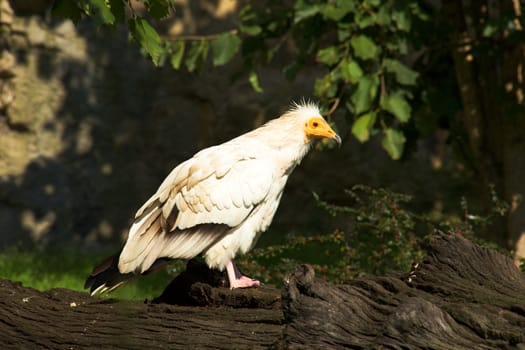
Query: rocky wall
(89,128)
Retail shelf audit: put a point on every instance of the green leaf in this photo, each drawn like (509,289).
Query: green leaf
(146,37)
(491,28)
(365,94)
(246,13)
(291,70)
(325,86)
(254,82)
(328,55)
(351,71)
(373,2)
(224,48)
(417,11)
(304,11)
(404,75)
(251,30)
(197,55)
(158,9)
(117,7)
(394,142)
(402,19)
(364,20)
(104,13)
(383,17)
(364,47)
(344,30)
(337,11)
(400,45)
(66,9)
(363,125)
(398,106)
(177,51)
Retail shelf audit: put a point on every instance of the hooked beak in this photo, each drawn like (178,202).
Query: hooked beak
(337,139)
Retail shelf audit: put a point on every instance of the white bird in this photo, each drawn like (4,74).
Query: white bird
(218,202)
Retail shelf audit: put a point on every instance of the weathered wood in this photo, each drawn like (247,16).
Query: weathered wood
(63,319)
(461,296)
(200,286)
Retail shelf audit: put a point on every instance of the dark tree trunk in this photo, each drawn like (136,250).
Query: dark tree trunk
(461,296)
(492,85)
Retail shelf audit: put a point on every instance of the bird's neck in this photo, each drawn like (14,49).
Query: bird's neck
(290,146)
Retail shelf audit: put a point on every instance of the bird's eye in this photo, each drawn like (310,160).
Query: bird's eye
(315,124)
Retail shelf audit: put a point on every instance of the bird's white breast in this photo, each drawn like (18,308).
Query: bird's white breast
(243,237)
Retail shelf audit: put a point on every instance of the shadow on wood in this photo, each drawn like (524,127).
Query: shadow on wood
(461,296)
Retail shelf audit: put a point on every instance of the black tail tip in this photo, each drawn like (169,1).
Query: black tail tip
(105,276)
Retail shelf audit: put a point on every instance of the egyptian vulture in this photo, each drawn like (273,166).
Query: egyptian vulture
(218,202)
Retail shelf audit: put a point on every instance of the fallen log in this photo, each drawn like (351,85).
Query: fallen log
(462,296)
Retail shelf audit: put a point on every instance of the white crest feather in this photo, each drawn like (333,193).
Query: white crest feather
(304,105)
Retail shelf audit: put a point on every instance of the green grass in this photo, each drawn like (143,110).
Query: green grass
(44,270)
(68,268)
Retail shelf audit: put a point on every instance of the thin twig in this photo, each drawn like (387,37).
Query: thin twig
(383,85)
(334,106)
(197,37)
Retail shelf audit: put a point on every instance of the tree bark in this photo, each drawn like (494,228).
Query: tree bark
(490,77)
(462,296)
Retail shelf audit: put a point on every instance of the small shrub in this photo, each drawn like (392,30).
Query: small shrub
(383,236)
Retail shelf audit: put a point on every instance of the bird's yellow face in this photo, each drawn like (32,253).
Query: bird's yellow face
(318,127)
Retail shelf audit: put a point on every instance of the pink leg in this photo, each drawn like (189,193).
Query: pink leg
(237,280)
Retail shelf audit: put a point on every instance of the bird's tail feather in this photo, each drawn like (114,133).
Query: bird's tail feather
(106,276)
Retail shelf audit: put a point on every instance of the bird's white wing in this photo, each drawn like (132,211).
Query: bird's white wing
(197,204)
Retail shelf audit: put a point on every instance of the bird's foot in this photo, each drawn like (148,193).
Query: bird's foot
(237,279)
(244,282)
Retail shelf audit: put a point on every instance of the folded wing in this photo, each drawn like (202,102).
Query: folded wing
(199,203)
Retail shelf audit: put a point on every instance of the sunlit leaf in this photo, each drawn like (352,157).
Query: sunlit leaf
(364,47)
(146,37)
(362,126)
(337,11)
(104,11)
(365,93)
(394,143)
(404,75)
(304,11)
(351,71)
(254,82)
(398,106)
(224,48)
(177,51)
(328,55)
